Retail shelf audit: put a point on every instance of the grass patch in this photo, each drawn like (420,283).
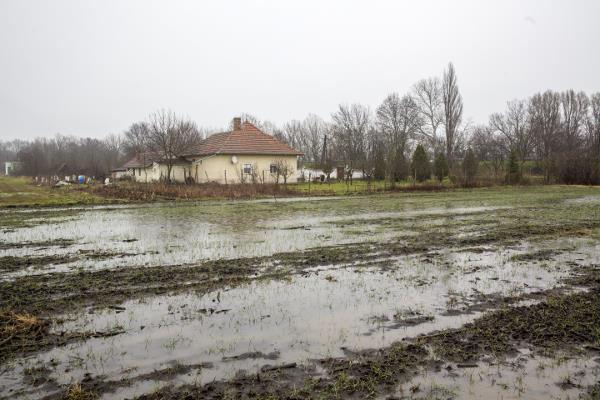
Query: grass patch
(20,330)
(23,192)
(554,324)
(78,392)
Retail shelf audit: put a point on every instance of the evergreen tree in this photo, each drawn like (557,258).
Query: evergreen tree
(513,172)
(440,167)
(420,168)
(470,165)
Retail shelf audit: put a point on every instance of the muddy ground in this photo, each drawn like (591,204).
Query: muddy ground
(488,293)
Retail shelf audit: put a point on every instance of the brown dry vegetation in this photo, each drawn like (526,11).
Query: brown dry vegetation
(16,328)
(77,392)
(160,191)
(163,191)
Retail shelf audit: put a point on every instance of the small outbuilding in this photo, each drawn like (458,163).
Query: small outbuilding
(12,168)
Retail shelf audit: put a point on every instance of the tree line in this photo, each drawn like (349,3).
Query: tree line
(559,132)
(64,155)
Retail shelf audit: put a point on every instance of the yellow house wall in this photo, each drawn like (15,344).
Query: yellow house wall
(220,169)
(155,172)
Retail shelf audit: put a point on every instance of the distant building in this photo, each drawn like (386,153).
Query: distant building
(244,154)
(119,173)
(316,174)
(12,168)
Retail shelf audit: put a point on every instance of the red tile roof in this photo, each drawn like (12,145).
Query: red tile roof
(137,162)
(147,159)
(247,140)
(141,161)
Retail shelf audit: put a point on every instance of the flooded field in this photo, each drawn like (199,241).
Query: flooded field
(490,293)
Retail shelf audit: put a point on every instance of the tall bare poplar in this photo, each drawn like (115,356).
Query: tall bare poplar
(453,110)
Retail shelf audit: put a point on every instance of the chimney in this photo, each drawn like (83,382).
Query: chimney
(237,123)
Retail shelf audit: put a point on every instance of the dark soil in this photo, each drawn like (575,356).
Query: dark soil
(12,263)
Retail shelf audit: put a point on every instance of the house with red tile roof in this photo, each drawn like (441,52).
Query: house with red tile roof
(243,155)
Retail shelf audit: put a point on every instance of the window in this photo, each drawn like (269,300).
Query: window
(247,168)
(273,169)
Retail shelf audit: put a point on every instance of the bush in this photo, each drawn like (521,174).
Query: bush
(160,190)
(400,168)
(578,170)
(470,165)
(420,168)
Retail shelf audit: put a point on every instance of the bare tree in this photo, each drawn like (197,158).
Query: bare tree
(313,130)
(171,137)
(282,170)
(575,107)
(593,126)
(453,110)
(398,120)
(114,150)
(373,164)
(306,135)
(489,145)
(135,139)
(351,126)
(544,114)
(136,143)
(292,134)
(428,97)
(514,126)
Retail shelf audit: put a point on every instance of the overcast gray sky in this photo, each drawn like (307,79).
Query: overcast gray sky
(90,68)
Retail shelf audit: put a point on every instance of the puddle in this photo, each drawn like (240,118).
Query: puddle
(293,320)
(330,310)
(174,235)
(584,200)
(521,378)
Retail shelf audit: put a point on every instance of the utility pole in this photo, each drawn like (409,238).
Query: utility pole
(324,151)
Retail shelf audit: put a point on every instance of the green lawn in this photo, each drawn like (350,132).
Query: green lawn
(23,192)
(360,186)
